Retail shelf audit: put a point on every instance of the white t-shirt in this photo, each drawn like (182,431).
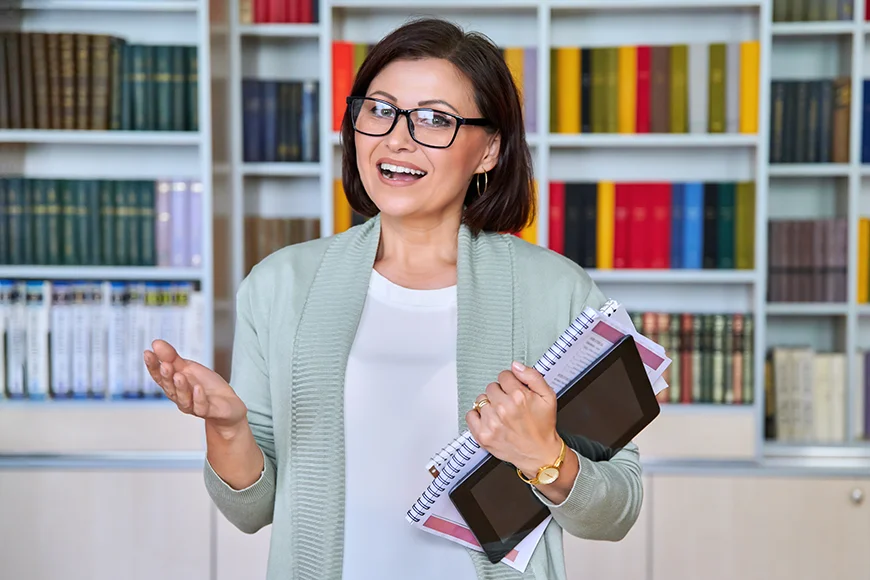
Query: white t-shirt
(400,399)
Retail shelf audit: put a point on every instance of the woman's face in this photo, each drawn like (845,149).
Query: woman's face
(440,190)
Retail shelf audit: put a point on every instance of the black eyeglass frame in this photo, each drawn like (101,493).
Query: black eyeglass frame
(460,121)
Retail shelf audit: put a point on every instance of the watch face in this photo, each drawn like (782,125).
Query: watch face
(548,475)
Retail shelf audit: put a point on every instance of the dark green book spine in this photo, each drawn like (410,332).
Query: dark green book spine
(122,229)
(141,105)
(127,97)
(27,220)
(67,200)
(4,218)
(116,83)
(148,247)
(162,82)
(192,93)
(92,199)
(82,235)
(15,195)
(53,213)
(725,224)
(39,188)
(107,222)
(131,209)
(178,88)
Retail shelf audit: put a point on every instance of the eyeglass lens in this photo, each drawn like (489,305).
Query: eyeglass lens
(429,127)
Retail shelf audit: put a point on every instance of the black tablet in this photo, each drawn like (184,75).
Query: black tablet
(599,412)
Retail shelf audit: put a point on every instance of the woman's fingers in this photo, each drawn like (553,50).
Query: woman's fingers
(200,402)
(166,352)
(183,393)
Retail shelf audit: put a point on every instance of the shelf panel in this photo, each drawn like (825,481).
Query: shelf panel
(817,451)
(674,276)
(129,138)
(807,308)
(829,28)
(430,4)
(104,5)
(281,169)
(133,273)
(706,408)
(652,140)
(281,30)
(809,170)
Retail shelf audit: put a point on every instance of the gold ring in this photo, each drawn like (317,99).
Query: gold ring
(478,405)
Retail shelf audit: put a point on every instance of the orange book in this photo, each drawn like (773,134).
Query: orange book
(627,88)
(341,211)
(863,257)
(749,54)
(606,207)
(568,95)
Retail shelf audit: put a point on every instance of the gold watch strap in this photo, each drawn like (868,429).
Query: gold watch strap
(556,464)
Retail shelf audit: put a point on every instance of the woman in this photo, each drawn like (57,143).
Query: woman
(359,355)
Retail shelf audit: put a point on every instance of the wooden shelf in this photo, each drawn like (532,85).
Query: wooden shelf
(674,276)
(132,273)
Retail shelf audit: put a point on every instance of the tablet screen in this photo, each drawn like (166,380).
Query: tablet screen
(504,505)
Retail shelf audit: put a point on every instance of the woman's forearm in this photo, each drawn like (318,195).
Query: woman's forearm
(234,455)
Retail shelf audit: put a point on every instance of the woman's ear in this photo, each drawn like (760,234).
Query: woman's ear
(490,157)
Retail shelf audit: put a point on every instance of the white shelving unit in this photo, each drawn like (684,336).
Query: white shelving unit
(119,154)
(307,189)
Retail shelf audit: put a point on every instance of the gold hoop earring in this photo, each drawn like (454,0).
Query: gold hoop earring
(485,183)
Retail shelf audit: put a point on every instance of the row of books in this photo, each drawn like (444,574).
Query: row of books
(76,81)
(347,57)
(806,396)
(809,120)
(95,222)
(85,339)
(696,225)
(807,260)
(812,10)
(712,355)
(697,88)
(265,235)
(278,11)
(281,120)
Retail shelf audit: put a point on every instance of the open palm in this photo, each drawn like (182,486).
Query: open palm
(194,388)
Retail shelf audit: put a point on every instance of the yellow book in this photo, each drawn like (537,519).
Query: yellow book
(340,208)
(513,57)
(605,223)
(749,55)
(568,99)
(863,257)
(360,52)
(627,88)
(530,232)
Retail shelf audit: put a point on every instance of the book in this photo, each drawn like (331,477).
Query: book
(587,337)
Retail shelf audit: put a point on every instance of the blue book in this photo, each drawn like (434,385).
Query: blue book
(693,225)
(677,225)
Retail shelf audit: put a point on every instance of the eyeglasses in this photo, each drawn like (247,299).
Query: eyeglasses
(428,127)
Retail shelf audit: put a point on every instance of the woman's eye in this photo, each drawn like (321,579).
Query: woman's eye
(383,111)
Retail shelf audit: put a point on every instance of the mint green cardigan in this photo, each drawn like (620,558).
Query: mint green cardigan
(297,313)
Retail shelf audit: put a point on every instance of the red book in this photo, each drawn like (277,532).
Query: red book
(293,8)
(277,11)
(556,241)
(261,11)
(621,207)
(342,79)
(643,89)
(659,229)
(306,11)
(638,226)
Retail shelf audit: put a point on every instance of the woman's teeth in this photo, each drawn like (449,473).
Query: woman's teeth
(391,171)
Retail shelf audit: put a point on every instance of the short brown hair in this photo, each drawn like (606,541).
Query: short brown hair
(509,202)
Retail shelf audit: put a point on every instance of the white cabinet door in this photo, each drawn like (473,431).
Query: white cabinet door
(772,528)
(241,556)
(104,525)
(626,559)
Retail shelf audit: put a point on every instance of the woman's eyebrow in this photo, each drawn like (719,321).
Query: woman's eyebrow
(421,103)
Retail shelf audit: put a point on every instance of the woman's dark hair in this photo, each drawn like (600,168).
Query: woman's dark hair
(508,204)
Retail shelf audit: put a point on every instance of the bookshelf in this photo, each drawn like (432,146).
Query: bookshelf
(114,156)
(796,49)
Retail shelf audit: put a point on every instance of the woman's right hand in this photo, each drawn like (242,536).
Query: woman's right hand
(196,389)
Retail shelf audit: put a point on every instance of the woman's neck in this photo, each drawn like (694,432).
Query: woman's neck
(418,256)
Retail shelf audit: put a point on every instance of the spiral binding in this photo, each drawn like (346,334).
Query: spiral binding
(453,457)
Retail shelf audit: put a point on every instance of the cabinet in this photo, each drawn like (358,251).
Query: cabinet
(767,527)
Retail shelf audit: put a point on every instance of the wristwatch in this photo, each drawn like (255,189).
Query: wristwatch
(548,473)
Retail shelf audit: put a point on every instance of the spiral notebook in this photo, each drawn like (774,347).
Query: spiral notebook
(586,338)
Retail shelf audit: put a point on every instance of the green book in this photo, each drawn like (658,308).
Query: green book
(53,218)
(162,86)
(68,207)
(178,88)
(92,219)
(107,223)
(716,113)
(39,192)
(5,258)
(744,227)
(679,89)
(15,197)
(725,226)
(122,228)
(145,217)
(192,93)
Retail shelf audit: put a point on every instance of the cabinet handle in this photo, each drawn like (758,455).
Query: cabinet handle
(857,496)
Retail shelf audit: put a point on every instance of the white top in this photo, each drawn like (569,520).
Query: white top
(400,397)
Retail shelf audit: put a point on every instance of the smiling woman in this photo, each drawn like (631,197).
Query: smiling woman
(358,355)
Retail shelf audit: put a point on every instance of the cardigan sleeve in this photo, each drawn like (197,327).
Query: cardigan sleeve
(251,508)
(606,497)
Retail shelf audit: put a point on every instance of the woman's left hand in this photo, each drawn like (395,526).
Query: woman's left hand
(518,425)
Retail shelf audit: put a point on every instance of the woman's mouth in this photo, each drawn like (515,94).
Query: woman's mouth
(393,172)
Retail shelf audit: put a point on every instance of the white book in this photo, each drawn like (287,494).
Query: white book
(118,335)
(857,385)
(38,322)
(138,329)
(699,87)
(81,358)
(16,346)
(192,311)
(61,340)
(732,87)
(155,297)
(100,298)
